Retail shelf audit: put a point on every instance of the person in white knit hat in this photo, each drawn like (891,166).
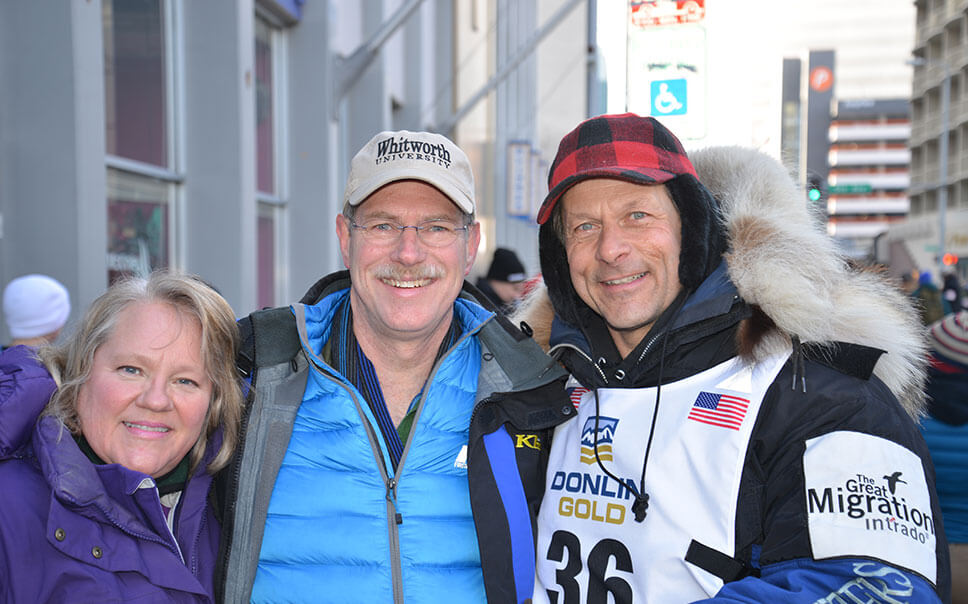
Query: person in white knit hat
(35,308)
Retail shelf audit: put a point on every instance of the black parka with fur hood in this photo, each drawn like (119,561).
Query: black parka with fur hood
(760,279)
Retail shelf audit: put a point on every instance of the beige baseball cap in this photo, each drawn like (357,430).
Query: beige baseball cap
(403,155)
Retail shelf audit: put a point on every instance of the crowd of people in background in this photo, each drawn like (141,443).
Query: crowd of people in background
(505,280)
(945,315)
(682,404)
(934,303)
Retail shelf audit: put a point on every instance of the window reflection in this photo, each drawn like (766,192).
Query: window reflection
(267,256)
(265,156)
(134,80)
(138,209)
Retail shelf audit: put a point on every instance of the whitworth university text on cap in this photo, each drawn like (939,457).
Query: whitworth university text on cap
(405,148)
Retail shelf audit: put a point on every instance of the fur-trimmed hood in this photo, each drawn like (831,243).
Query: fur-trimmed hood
(782,263)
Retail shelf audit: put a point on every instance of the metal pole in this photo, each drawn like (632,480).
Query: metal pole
(593,85)
(943,173)
(348,69)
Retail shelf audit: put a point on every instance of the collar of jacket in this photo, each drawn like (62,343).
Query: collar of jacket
(590,354)
(75,479)
(320,315)
(523,364)
(341,280)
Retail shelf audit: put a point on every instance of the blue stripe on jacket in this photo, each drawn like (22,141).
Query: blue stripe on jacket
(500,452)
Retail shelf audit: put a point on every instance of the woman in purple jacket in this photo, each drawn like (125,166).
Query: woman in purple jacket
(109,500)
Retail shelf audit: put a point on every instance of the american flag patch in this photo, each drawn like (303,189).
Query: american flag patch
(575,394)
(722,410)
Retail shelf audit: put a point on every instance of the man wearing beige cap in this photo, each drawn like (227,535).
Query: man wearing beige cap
(35,308)
(393,447)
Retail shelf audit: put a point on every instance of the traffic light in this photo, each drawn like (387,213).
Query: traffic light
(816,190)
(813,193)
(949,259)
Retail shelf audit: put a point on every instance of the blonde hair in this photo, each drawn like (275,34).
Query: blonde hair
(70,363)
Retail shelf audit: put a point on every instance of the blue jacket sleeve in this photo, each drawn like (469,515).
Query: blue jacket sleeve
(25,388)
(828,581)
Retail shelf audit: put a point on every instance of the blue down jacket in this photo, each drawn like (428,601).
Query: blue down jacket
(518,398)
(73,531)
(358,554)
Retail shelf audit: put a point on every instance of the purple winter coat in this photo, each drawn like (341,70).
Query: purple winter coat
(74,531)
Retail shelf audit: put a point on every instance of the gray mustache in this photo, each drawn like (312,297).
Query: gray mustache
(396,273)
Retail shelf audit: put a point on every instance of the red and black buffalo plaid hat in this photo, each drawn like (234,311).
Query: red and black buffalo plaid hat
(628,147)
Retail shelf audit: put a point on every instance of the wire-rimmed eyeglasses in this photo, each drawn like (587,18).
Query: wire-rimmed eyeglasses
(432,233)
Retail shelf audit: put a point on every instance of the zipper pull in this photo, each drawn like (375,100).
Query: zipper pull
(392,498)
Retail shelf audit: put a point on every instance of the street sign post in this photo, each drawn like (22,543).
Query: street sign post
(850,188)
(666,76)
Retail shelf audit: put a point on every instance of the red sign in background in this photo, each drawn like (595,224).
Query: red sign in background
(667,12)
(821,78)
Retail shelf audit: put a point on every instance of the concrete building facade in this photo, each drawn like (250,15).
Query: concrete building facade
(869,171)
(215,136)
(938,222)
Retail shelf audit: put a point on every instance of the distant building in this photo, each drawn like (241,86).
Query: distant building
(869,171)
(940,55)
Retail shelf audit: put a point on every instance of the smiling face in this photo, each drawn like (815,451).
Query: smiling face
(623,241)
(405,290)
(145,402)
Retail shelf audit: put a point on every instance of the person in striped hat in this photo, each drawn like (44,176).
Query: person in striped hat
(740,435)
(946,432)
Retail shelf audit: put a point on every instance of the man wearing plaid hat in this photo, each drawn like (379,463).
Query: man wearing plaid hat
(393,447)
(746,402)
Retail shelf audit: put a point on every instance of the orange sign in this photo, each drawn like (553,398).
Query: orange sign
(821,79)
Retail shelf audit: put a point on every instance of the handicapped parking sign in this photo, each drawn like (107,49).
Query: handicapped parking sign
(668,97)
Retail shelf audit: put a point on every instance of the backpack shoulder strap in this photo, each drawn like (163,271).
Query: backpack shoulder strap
(520,357)
(268,337)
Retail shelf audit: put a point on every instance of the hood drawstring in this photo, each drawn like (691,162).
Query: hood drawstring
(641,503)
(799,368)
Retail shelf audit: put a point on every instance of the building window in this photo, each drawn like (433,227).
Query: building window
(141,180)
(138,218)
(267,255)
(135,80)
(270,134)
(264,118)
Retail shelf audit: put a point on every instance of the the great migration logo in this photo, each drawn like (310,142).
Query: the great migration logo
(877,501)
(605,436)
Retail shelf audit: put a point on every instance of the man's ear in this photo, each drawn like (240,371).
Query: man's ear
(343,234)
(473,242)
